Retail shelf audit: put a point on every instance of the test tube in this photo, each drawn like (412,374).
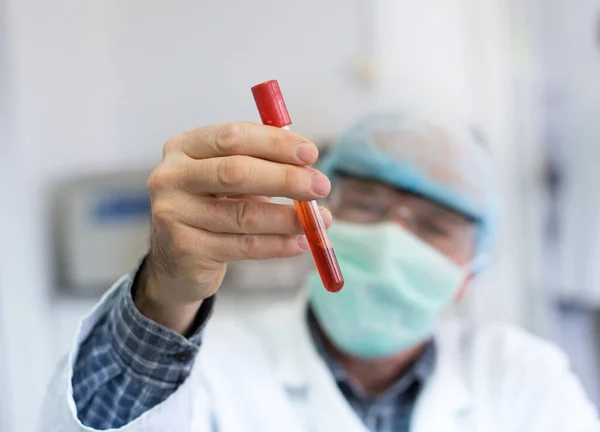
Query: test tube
(273,112)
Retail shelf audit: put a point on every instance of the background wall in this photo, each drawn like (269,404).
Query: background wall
(5,155)
(101,85)
(569,40)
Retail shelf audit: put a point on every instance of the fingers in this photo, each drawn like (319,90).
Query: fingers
(238,247)
(196,229)
(259,198)
(189,246)
(243,216)
(241,175)
(248,139)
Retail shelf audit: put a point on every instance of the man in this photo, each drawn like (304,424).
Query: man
(413,205)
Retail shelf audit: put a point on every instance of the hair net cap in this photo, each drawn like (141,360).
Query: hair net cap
(441,163)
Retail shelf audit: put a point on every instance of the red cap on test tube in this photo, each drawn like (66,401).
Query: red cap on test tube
(273,112)
(270,104)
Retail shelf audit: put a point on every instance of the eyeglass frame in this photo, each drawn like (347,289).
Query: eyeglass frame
(444,228)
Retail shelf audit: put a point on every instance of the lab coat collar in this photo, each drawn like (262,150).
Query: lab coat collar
(309,383)
(444,404)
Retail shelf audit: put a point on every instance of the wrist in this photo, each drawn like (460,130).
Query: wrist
(156,303)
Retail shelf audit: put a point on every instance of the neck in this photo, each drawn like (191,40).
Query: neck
(375,376)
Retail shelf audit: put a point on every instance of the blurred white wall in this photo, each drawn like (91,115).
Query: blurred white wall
(500,294)
(22,309)
(101,85)
(5,175)
(571,54)
(569,35)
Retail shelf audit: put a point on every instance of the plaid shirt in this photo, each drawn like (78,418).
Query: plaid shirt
(129,364)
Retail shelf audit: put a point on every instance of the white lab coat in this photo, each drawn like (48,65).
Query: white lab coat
(265,376)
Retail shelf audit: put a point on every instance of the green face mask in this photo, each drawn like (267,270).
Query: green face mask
(395,288)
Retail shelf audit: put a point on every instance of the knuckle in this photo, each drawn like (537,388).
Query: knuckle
(173,144)
(250,245)
(158,179)
(161,215)
(281,246)
(245,216)
(155,181)
(292,178)
(231,138)
(231,171)
(164,176)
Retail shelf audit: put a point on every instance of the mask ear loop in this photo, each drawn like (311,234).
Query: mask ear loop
(471,270)
(469,274)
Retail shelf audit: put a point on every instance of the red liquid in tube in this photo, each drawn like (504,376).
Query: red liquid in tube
(273,112)
(321,249)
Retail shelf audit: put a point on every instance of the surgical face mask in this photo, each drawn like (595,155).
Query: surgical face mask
(396,286)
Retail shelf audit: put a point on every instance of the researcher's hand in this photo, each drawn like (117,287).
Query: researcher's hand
(211,205)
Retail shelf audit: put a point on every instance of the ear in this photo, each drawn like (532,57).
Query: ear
(462,291)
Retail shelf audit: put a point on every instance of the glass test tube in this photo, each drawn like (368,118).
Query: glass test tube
(273,112)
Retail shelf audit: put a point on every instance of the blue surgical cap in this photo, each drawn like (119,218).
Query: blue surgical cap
(442,163)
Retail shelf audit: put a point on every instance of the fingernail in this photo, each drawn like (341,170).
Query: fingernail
(303,243)
(320,184)
(307,153)
(325,214)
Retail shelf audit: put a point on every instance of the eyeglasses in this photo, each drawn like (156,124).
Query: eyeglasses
(366,201)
